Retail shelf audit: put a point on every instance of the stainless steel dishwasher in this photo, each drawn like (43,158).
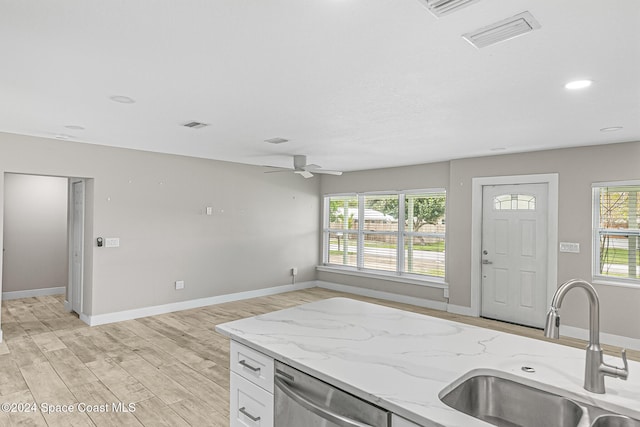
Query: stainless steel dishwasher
(302,400)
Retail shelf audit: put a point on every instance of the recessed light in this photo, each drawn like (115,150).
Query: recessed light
(578,84)
(277,140)
(611,129)
(122,99)
(74,127)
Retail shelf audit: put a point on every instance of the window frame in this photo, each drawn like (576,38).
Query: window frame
(597,232)
(399,274)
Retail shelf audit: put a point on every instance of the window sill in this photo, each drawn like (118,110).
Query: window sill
(412,280)
(618,283)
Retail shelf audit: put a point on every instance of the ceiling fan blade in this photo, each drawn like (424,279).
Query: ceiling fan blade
(328,172)
(305,174)
(312,167)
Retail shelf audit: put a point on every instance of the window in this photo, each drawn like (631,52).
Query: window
(616,234)
(391,233)
(518,202)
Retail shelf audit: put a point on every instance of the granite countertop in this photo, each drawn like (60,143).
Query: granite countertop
(402,361)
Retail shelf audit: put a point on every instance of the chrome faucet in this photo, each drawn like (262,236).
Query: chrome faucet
(595,368)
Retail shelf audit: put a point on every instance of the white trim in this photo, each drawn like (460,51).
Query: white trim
(607,281)
(551,180)
(459,309)
(420,302)
(0,335)
(615,183)
(119,316)
(391,277)
(605,338)
(33,293)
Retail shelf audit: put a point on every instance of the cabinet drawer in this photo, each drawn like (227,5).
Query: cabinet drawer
(252,365)
(250,405)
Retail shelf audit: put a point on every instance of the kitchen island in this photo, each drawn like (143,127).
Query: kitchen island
(402,361)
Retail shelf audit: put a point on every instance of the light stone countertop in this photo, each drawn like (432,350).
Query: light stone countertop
(402,361)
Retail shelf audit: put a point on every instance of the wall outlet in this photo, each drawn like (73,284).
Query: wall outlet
(294,271)
(209,210)
(179,284)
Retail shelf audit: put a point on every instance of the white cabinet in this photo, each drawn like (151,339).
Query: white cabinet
(251,391)
(397,421)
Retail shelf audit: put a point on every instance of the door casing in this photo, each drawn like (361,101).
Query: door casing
(476,230)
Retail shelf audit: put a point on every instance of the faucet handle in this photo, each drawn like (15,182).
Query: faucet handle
(614,371)
(625,371)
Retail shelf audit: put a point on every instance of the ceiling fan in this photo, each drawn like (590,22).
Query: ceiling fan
(301,167)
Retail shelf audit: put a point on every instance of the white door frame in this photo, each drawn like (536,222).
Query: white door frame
(551,180)
(71,236)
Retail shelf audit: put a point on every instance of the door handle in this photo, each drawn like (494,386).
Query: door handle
(486,261)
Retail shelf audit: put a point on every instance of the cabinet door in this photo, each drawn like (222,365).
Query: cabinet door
(250,405)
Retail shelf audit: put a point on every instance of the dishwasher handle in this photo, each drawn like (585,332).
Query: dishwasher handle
(328,415)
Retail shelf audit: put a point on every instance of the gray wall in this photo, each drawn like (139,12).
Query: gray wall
(578,168)
(35,232)
(263,224)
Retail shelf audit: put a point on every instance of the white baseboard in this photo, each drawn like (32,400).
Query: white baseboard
(605,338)
(119,316)
(460,309)
(33,293)
(421,302)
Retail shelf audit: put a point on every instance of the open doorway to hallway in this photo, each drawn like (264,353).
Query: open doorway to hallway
(40,232)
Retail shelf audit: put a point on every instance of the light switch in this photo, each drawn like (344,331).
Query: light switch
(209,210)
(573,248)
(112,242)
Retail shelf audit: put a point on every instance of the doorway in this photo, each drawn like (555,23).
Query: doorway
(43,238)
(515,221)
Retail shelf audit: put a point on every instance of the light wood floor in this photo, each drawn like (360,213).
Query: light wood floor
(173,367)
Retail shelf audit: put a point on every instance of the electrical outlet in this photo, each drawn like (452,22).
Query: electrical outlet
(294,271)
(179,284)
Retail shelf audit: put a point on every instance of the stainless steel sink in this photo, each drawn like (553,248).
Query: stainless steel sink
(503,402)
(506,403)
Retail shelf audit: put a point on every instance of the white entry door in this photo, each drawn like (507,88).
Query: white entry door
(514,253)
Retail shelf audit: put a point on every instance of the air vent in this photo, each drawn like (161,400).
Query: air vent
(195,125)
(509,28)
(276,140)
(444,7)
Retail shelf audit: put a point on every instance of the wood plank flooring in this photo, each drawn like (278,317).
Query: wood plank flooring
(173,367)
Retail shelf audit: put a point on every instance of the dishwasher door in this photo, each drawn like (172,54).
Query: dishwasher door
(302,400)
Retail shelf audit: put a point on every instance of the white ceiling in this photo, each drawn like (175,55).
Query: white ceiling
(353,84)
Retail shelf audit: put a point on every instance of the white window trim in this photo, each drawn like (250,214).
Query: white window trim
(399,275)
(597,278)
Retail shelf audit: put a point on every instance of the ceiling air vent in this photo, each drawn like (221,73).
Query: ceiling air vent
(444,7)
(506,29)
(195,125)
(276,140)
